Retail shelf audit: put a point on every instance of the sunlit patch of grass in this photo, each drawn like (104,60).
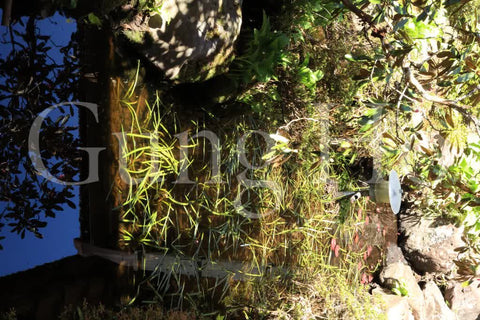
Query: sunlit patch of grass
(148,159)
(292,237)
(305,240)
(309,278)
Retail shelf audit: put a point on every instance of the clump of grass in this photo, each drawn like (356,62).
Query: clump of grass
(311,278)
(100,312)
(9,315)
(147,161)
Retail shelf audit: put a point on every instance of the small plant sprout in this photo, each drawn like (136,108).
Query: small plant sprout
(400,288)
(281,146)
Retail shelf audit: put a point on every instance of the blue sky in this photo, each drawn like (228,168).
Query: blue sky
(21,254)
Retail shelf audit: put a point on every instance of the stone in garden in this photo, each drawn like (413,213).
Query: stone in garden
(398,274)
(464,301)
(396,307)
(435,306)
(394,254)
(429,244)
(189,40)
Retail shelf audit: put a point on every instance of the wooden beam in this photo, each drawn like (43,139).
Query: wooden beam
(7,12)
(184,265)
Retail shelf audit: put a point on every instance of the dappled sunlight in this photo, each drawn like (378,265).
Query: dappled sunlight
(254,160)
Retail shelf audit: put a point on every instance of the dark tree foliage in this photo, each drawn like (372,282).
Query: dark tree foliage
(31,81)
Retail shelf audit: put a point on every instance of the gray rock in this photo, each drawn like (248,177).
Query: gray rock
(464,301)
(435,306)
(195,43)
(426,304)
(398,274)
(429,244)
(395,307)
(394,254)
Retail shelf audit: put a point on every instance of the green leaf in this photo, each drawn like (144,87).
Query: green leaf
(357,58)
(70,203)
(451,2)
(465,77)
(466,283)
(349,57)
(305,24)
(93,19)
(445,84)
(422,16)
(268,155)
(457,70)
(473,186)
(319,75)
(470,219)
(400,24)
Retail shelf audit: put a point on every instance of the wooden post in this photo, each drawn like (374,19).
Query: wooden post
(7,12)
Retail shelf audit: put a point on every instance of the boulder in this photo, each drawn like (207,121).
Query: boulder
(464,301)
(400,275)
(395,307)
(435,306)
(429,244)
(189,40)
(423,304)
(394,254)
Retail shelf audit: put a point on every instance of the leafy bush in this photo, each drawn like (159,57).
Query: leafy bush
(265,51)
(29,84)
